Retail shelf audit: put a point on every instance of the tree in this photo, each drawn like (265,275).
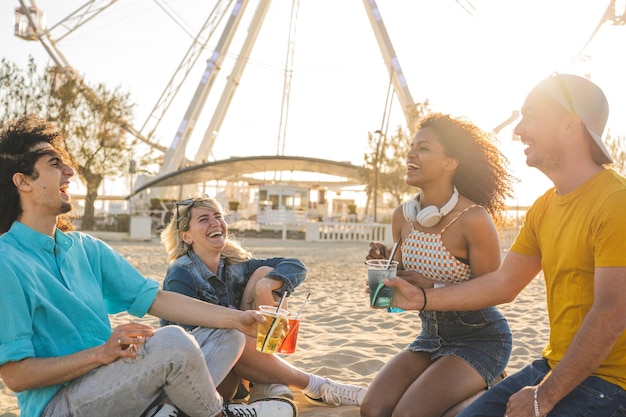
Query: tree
(617,147)
(22,91)
(96,144)
(393,166)
(384,167)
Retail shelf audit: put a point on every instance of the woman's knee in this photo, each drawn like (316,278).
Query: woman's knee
(374,406)
(255,295)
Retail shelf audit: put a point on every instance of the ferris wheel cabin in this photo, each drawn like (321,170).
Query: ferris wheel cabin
(22,23)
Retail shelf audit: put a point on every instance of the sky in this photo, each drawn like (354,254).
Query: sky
(470,58)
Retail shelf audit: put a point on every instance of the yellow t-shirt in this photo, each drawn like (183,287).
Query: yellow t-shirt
(573,234)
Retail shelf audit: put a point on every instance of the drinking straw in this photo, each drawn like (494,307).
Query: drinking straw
(274,322)
(302,306)
(380,287)
(282,300)
(393,252)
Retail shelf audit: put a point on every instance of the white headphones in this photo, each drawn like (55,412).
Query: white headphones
(428,216)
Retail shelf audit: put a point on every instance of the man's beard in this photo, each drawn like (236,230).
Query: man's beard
(66,207)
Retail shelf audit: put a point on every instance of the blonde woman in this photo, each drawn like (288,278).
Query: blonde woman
(208,265)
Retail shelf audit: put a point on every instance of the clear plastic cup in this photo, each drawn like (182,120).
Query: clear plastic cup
(271,333)
(377,271)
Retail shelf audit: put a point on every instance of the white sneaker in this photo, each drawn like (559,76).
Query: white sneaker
(163,410)
(259,391)
(334,393)
(266,407)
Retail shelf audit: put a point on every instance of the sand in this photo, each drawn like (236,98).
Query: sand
(340,336)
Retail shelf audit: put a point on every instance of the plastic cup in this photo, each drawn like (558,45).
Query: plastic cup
(271,333)
(377,271)
(288,344)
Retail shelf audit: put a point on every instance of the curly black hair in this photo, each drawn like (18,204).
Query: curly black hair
(17,139)
(482,174)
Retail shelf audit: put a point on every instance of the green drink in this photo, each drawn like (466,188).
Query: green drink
(377,271)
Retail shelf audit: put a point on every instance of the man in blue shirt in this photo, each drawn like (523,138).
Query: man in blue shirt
(58,351)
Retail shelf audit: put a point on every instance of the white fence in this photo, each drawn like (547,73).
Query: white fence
(281,216)
(507,237)
(350,232)
(338,231)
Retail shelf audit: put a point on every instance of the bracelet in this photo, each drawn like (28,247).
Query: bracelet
(536,401)
(424,294)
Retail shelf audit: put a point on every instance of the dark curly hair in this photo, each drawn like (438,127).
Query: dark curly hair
(17,139)
(482,174)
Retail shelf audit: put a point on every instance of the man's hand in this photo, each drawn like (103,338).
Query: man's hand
(522,404)
(248,322)
(406,296)
(124,341)
(415,278)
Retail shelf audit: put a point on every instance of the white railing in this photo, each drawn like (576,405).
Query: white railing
(348,232)
(507,237)
(338,231)
(281,216)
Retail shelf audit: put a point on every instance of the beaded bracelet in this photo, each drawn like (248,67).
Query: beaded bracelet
(424,294)
(536,401)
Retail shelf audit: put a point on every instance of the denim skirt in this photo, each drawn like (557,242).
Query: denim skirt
(482,338)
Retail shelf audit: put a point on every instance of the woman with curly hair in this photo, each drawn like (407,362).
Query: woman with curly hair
(448,235)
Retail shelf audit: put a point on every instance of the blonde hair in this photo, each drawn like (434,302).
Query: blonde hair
(175,247)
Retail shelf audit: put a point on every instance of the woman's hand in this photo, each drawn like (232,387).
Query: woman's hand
(259,290)
(264,294)
(377,251)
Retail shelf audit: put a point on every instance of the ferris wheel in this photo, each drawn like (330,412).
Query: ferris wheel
(30,24)
(226,14)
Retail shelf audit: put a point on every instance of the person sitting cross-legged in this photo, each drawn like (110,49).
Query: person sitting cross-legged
(208,265)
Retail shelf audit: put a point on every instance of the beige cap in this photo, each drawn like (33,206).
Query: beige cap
(581,96)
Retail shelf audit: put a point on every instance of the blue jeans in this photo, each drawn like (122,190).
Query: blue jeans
(595,397)
(187,368)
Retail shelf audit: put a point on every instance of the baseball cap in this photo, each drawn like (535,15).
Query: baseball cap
(581,96)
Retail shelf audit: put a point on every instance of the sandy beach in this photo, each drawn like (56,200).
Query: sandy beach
(340,336)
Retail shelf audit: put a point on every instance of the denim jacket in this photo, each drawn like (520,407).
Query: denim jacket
(188,275)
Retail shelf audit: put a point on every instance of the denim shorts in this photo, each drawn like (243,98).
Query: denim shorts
(482,338)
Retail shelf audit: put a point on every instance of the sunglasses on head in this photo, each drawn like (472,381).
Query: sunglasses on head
(185,203)
(188,202)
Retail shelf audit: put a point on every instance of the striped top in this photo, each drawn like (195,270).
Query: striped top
(426,254)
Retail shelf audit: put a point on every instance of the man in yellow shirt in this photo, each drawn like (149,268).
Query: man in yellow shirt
(576,234)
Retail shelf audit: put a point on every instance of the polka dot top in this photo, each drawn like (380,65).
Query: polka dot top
(426,254)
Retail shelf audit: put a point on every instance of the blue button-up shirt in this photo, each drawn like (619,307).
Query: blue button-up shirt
(56,297)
